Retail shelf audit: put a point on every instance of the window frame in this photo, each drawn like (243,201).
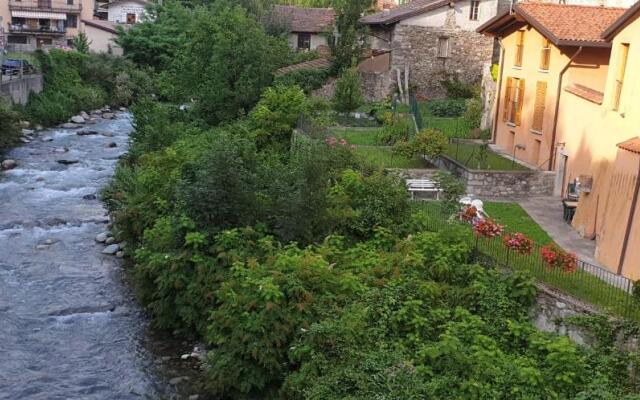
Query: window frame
(623,59)
(304,38)
(545,55)
(513,102)
(474,11)
(519,56)
(447,47)
(540,103)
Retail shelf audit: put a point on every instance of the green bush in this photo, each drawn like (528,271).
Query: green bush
(447,107)
(495,70)
(9,128)
(457,89)
(430,143)
(348,95)
(473,113)
(308,79)
(277,113)
(395,129)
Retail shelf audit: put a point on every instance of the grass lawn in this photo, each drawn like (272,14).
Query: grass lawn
(468,155)
(383,157)
(579,284)
(357,136)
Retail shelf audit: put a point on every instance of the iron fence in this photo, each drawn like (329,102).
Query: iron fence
(590,283)
(451,127)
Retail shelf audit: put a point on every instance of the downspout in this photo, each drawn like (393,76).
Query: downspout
(552,152)
(494,131)
(632,214)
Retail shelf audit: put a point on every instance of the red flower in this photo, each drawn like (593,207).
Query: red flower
(487,228)
(555,257)
(519,243)
(469,214)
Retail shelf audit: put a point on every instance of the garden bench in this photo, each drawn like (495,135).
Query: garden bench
(423,185)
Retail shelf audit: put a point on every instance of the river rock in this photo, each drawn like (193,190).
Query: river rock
(67,162)
(184,357)
(25,124)
(87,132)
(40,179)
(107,134)
(111,249)
(25,140)
(47,139)
(60,149)
(123,109)
(49,241)
(84,115)
(120,254)
(42,247)
(91,121)
(112,144)
(108,115)
(39,127)
(96,112)
(194,397)
(89,197)
(77,119)
(28,131)
(70,125)
(177,380)
(111,240)
(102,237)
(9,164)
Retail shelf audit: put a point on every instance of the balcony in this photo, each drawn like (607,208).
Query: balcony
(61,6)
(43,30)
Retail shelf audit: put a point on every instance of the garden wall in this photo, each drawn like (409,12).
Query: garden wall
(17,90)
(501,183)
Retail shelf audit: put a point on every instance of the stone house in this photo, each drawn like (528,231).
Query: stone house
(569,77)
(308,27)
(434,40)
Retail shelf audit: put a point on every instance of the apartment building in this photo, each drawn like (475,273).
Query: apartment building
(567,83)
(30,24)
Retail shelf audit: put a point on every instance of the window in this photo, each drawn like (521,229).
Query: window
(519,48)
(17,39)
(72,21)
(545,55)
(538,109)
(131,18)
(622,66)
(304,41)
(474,12)
(443,47)
(514,96)
(70,2)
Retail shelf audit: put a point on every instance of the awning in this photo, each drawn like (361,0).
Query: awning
(38,15)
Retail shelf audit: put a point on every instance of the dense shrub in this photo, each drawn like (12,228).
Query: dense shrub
(430,143)
(457,89)
(307,79)
(473,113)
(9,128)
(277,112)
(348,95)
(395,128)
(447,107)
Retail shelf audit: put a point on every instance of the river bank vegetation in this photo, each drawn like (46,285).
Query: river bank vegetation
(308,274)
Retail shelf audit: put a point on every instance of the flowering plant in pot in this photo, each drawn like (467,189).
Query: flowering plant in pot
(555,257)
(487,228)
(519,243)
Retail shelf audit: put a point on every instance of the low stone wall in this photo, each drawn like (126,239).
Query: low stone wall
(483,183)
(376,86)
(413,173)
(17,90)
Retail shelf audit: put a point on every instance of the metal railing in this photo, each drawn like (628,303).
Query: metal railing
(49,30)
(45,5)
(610,292)
(451,127)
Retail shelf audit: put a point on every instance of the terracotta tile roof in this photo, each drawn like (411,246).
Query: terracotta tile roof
(562,24)
(318,63)
(407,10)
(632,145)
(630,15)
(303,19)
(586,93)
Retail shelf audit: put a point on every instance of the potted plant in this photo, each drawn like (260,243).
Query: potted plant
(487,228)
(555,257)
(519,243)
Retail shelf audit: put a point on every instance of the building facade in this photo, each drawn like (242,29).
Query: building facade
(309,28)
(32,24)
(126,11)
(569,77)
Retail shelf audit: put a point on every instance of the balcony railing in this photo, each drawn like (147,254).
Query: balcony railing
(46,5)
(48,30)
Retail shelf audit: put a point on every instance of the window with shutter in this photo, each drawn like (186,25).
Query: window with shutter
(519,49)
(443,47)
(507,100)
(545,55)
(622,66)
(520,101)
(538,110)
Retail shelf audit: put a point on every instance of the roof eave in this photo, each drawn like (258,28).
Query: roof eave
(621,22)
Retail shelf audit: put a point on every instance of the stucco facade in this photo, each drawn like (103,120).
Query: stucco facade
(101,35)
(316,39)
(31,24)
(126,11)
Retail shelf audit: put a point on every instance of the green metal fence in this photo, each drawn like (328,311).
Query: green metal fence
(590,283)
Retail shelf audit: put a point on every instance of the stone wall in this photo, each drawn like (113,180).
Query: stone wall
(376,85)
(417,46)
(327,90)
(501,183)
(17,90)
(488,89)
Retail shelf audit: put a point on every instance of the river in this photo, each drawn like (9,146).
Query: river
(69,326)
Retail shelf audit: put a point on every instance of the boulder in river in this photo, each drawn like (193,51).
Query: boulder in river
(84,115)
(102,237)
(47,139)
(112,144)
(87,132)
(67,162)
(77,119)
(70,125)
(89,197)
(177,380)
(26,131)
(120,254)
(25,124)
(108,115)
(9,164)
(111,240)
(60,149)
(111,249)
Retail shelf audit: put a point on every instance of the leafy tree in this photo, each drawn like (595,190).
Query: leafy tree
(430,143)
(277,112)
(81,43)
(349,44)
(348,95)
(9,128)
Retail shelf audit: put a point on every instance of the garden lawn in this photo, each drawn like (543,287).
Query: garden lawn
(357,136)
(382,157)
(467,155)
(579,284)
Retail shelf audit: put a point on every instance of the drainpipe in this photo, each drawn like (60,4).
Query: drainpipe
(494,131)
(632,212)
(552,152)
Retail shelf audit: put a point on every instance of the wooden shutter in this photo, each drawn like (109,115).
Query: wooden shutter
(507,100)
(518,118)
(538,109)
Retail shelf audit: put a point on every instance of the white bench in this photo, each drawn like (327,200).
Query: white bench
(423,185)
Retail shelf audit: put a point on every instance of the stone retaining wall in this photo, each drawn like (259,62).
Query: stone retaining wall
(17,90)
(376,86)
(501,183)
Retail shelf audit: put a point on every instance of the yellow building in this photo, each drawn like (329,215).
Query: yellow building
(569,77)
(31,24)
